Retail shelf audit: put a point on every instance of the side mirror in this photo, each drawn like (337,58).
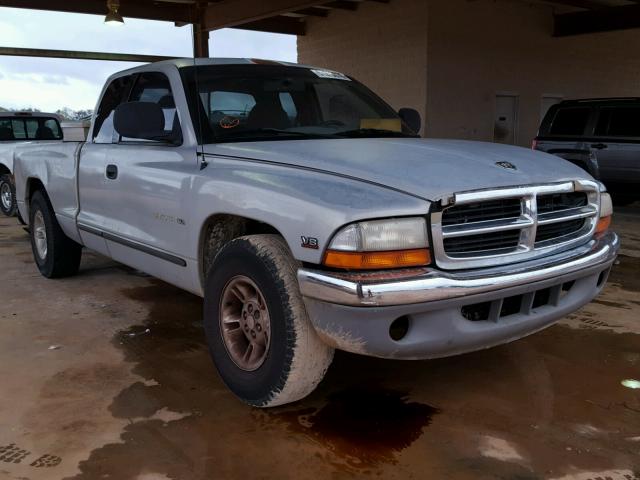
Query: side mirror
(143,120)
(411,118)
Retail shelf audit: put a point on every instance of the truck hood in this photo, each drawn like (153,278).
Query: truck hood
(427,168)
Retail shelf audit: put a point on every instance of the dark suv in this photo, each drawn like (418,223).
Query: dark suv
(600,135)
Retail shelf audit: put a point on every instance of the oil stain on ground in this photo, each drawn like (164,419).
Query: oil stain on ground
(365,426)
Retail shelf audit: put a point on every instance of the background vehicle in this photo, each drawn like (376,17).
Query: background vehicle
(312,217)
(17,127)
(600,135)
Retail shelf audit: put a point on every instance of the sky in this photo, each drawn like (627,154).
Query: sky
(51,84)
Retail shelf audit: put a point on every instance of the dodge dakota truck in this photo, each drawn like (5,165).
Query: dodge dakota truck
(16,128)
(311,216)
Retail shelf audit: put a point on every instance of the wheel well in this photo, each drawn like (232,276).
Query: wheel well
(4,170)
(34,185)
(219,230)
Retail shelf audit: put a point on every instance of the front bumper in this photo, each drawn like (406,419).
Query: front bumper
(355,312)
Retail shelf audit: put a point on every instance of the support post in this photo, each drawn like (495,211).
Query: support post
(200,33)
(200,41)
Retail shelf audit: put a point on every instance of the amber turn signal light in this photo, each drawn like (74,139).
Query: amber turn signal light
(377,260)
(603,224)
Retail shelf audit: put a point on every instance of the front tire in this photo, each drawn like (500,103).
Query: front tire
(8,204)
(258,331)
(55,254)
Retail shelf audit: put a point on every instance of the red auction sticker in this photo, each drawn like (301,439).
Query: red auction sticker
(229,122)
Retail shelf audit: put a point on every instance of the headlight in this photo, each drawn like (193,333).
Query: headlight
(378,244)
(606,211)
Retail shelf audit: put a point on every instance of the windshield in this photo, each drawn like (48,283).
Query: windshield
(29,128)
(273,102)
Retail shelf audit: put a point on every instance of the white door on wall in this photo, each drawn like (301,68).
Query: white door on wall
(505,128)
(548,101)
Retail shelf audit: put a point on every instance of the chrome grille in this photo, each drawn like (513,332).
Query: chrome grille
(482,211)
(495,227)
(494,241)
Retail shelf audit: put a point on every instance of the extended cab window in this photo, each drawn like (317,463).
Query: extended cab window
(155,88)
(570,121)
(114,95)
(619,122)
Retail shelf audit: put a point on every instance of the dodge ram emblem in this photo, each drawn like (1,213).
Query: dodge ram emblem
(507,165)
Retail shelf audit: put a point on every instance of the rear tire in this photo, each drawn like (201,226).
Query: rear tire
(257,275)
(8,204)
(55,254)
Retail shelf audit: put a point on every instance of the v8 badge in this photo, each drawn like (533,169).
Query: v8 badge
(309,242)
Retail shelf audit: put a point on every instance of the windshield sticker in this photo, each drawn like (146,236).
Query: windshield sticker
(229,122)
(391,124)
(331,74)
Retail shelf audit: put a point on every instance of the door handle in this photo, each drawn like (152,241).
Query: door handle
(112,172)
(599,146)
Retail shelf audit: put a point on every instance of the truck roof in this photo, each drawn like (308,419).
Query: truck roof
(199,62)
(187,62)
(26,114)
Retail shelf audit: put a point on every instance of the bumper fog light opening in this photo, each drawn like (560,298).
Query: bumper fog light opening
(399,328)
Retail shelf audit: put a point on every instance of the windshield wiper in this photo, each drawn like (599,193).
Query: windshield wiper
(270,133)
(375,132)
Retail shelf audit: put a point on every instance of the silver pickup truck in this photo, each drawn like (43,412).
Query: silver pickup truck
(17,128)
(311,216)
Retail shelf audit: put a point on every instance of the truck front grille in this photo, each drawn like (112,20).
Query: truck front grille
(482,211)
(558,230)
(494,227)
(488,242)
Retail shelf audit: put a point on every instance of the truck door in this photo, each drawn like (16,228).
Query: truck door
(94,198)
(617,145)
(148,185)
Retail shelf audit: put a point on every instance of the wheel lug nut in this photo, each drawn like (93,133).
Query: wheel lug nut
(259,327)
(250,308)
(253,333)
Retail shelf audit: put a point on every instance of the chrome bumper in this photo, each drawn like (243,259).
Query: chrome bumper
(433,285)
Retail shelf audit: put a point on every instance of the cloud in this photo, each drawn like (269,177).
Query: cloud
(50,84)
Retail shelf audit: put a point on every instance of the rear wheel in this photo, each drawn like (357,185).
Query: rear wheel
(55,254)
(259,334)
(7,196)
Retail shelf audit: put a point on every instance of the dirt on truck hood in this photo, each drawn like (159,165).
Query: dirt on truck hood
(426,168)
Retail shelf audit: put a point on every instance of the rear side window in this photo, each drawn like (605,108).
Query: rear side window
(114,95)
(570,121)
(619,122)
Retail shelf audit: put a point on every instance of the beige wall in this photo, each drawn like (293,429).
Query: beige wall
(454,56)
(382,45)
(478,49)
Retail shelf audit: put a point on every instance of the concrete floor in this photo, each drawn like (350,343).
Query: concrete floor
(106,376)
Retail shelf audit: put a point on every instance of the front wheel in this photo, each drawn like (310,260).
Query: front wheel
(55,254)
(7,196)
(258,331)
